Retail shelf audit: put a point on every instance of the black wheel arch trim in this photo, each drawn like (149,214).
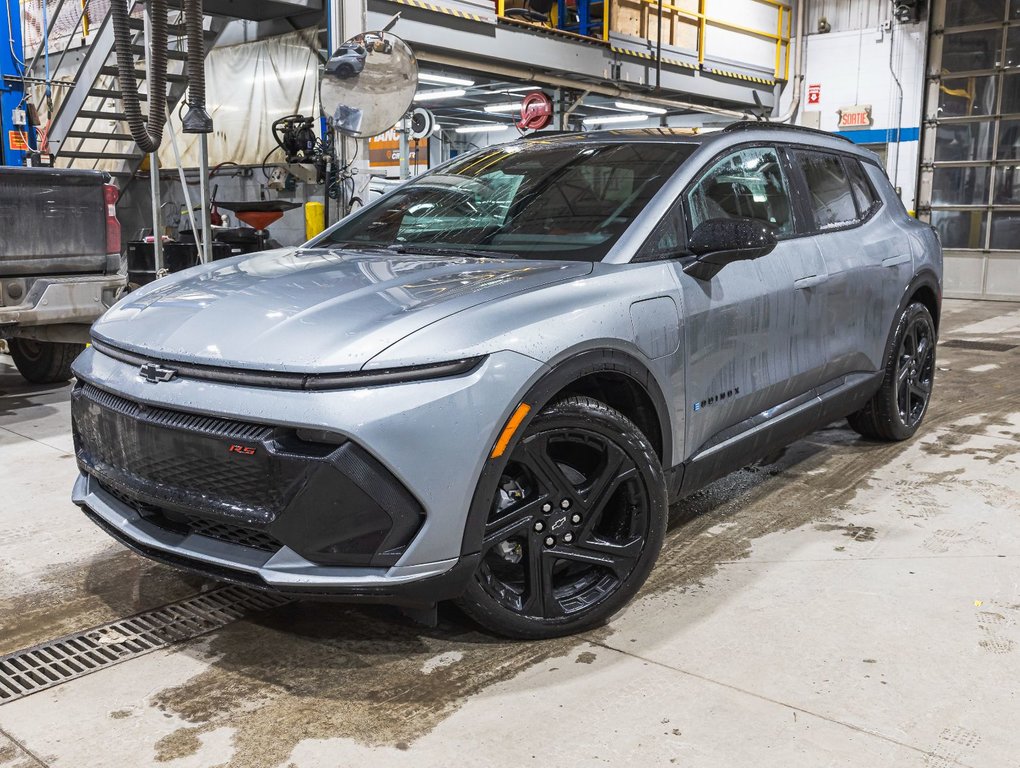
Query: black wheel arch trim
(564,370)
(925,278)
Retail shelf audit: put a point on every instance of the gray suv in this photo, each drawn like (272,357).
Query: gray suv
(488,385)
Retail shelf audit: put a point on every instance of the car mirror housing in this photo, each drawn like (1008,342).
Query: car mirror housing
(718,242)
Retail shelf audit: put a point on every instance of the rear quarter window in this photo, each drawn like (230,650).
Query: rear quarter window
(830,196)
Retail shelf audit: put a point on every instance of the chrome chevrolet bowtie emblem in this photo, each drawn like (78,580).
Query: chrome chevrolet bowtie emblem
(154,374)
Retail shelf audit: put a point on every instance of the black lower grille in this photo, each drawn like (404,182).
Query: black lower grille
(190,524)
(257,486)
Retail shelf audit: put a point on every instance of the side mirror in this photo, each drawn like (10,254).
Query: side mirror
(718,242)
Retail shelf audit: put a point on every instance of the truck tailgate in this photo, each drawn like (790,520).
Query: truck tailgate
(52,222)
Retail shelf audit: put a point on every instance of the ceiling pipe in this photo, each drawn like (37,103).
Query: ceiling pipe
(798,68)
(529,76)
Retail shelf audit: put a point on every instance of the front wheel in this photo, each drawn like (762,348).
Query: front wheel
(899,407)
(44,362)
(576,525)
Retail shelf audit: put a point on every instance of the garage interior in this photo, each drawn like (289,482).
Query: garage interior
(842,602)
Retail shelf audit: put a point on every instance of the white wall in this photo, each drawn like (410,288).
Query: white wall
(853,68)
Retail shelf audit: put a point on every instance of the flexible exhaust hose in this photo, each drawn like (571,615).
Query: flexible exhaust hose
(197,120)
(149,135)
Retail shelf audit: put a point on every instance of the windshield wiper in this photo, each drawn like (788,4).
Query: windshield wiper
(430,250)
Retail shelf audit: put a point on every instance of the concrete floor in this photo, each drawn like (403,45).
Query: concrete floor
(849,604)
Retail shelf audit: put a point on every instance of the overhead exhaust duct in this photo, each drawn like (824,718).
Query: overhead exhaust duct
(148,134)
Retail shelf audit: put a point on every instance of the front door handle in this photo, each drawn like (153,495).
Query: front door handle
(895,261)
(808,282)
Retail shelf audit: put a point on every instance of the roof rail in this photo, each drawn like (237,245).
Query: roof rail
(758,125)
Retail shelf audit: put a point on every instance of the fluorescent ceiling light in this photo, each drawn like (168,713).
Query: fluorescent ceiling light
(485,128)
(614,119)
(640,108)
(450,93)
(511,106)
(444,80)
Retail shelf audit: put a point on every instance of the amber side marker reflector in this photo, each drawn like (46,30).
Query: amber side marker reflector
(508,431)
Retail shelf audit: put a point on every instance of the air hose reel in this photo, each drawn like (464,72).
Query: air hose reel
(148,134)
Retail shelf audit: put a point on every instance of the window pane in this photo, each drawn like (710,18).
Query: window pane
(967,51)
(960,186)
(829,195)
(863,193)
(1014,10)
(1012,48)
(960,229)
(1009,139)
(1011,93)
(959,13)
(967,96)
(1006,230)
(964,141)
(1007,186)
(747,184)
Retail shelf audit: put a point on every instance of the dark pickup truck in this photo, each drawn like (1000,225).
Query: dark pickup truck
(60,264)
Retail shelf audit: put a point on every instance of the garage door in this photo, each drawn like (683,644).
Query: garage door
(970,173)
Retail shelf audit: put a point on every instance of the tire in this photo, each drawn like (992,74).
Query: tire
(898,408)
(576,525)
(44,362)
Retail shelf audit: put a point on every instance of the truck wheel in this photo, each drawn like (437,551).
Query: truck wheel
(44,362)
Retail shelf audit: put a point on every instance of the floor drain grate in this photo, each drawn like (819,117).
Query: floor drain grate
(982,346)
(59,661)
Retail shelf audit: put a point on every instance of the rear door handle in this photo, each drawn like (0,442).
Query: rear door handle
(808,282)
(895,261)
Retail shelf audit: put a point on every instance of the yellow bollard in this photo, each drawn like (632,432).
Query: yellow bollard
(315,219)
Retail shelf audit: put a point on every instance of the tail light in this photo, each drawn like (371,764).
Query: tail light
(110,196)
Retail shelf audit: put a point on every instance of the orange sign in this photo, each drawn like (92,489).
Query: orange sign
(384,151)
(857,116)
(17,141)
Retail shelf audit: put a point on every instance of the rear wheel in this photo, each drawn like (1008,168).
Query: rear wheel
(575,527)
(44,362)
(899,407)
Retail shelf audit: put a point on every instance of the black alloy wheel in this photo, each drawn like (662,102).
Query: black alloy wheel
(915,362)
(575,527)
(898,408)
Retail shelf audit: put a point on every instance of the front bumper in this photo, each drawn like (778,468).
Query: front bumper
(78,300)
(431,438)
(284,571)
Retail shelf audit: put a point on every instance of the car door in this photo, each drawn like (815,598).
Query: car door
(750,340)
(862,258)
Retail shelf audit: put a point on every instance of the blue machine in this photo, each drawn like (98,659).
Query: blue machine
(15,133)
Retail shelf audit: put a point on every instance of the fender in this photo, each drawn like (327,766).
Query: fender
(925,278)
(568,369)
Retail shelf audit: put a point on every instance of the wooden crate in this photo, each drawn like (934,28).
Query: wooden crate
(640,19)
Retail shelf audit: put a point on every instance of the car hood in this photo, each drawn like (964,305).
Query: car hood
(305,310)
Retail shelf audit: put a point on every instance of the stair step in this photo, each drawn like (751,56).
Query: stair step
(94,115)
(174,30)
(107,94)
(99,135)
(99,155)
(142,75)
(139,50)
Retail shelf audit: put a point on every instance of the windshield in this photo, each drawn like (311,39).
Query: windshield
(570,202)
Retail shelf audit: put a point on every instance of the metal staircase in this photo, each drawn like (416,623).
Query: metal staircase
(89,129)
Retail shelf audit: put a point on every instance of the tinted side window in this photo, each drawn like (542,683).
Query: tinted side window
(747,184)
(829,196)
(864,195)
